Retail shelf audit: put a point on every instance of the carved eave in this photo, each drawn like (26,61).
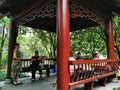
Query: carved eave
(44,16)
(46,10)
(49,10)
(42,13)
(76,10)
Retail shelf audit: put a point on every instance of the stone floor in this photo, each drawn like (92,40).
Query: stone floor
(45,85)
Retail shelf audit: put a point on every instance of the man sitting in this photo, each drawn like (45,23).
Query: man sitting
(35,60)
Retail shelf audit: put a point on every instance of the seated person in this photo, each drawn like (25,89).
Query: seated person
(97,56)
(35,65)
(79,57)
(73,75)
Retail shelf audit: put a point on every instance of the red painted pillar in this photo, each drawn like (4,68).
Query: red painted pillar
(110,40)
(12,41)
(63,50)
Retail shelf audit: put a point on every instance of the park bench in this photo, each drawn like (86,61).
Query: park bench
(46,65)
(91,70)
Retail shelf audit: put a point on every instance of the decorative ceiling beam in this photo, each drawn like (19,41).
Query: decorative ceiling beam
(78,11)
(94,7)
(29,8)
(46,10)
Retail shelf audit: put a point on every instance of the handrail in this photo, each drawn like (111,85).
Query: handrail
(89,70)
(48,61)
(45,59)
(92,61)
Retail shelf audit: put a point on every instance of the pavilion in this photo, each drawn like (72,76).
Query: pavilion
(62,17)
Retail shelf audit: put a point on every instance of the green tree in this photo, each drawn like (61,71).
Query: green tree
(48,41)
(116,25)
(4,28)
(88,40)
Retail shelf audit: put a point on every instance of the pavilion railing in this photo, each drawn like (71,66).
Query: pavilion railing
(89,70)
(50,63)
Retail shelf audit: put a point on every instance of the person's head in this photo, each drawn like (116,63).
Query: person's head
(96,53)
(17,45)
(78,54)
(36,53)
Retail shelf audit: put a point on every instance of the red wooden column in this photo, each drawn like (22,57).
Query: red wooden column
(63,50)
(110,40)
(12,41)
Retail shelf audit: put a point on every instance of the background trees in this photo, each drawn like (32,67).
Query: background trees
(88,40)
(117,35)
(30,39)
(4,28)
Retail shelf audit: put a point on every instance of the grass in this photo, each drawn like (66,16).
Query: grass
(118,88)
(3,74)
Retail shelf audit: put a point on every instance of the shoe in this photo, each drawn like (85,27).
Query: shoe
(53,84)
(33,79)
(41,78)
(19,82)
(15,83)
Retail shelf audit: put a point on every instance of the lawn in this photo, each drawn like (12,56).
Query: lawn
(3,74)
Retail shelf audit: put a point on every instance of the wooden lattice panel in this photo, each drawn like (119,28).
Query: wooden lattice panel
(46,10)
(78,11)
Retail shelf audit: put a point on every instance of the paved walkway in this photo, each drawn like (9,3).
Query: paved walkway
(29,85)
(45,85)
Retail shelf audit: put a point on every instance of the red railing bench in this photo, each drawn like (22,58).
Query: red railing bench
(90,70)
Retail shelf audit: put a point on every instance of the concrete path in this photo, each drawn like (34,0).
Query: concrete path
(29,85)
(45,85)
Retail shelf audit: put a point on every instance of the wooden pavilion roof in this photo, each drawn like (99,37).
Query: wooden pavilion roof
(42,13)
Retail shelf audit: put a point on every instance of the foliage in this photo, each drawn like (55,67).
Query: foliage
(88,40)
(36,39)
(48,41)
(4,28)
(22,30)
(4,60)
(2,75)
(117,35)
